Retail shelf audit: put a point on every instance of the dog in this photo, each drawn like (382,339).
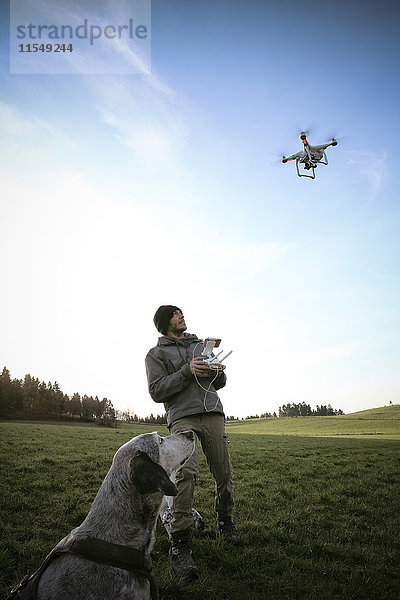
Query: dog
(108,555)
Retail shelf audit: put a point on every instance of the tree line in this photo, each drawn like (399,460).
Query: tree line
(266,415)
(304,410)
(298,410)
(30,398)
(131,417)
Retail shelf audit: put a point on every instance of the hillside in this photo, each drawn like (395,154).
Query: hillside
(382,422)
(383,412)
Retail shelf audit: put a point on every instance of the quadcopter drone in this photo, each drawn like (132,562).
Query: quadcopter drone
(309,156)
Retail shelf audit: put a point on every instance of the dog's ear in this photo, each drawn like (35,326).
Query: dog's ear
(149,477)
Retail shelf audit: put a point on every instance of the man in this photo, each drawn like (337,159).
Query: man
(178,376)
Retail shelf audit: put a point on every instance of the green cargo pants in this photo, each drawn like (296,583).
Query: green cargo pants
(210,430)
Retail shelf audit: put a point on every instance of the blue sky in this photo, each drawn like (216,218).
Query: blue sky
(124,192)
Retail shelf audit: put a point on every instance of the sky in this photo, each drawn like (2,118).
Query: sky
(124,191)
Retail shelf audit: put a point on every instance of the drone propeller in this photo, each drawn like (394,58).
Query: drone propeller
(331,138)
(278,158)
(306,130)
(304,134)
(336,138)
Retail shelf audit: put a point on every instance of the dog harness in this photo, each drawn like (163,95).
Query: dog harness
(99,551)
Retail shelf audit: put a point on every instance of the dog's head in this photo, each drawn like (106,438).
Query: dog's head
(152,458)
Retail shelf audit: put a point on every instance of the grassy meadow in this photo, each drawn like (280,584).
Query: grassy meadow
(384,422)
(317,504)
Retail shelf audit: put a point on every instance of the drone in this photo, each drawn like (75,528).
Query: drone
(309,156)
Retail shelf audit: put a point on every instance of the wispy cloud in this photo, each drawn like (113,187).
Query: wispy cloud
(18,126)
(13,122)
(144,113)
(371,166)
(144,120)
(32,147)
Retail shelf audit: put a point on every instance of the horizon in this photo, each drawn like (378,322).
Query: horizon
(266,415)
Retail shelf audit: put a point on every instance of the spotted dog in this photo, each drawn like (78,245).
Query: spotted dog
(108,555)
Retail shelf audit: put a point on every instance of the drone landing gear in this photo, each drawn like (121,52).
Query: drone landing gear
(321,162)
(310,166)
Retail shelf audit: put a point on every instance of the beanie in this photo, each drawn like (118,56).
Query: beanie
(163,316)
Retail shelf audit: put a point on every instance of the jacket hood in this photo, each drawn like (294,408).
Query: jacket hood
(171,341)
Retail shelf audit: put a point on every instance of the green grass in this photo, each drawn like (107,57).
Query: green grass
(319,516)
(384,422)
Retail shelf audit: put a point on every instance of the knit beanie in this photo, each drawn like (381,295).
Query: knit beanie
(163,316)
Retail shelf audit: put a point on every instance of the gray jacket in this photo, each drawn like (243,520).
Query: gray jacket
(170,380)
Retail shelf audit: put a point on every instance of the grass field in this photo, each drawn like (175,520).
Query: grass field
(319,515)
(384,422)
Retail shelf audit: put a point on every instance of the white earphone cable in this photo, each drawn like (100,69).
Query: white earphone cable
(207,390)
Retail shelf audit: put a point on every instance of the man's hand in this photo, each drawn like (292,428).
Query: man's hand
(201,369)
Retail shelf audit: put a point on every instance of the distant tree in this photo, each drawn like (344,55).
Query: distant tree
(159,419)
(98,408)
(5,392)
(40,401)
(108,418)
(75,405)
(30,391)
(88,408)
(304,410)
(289,410)
(127,415)
(17,394)
(58,400)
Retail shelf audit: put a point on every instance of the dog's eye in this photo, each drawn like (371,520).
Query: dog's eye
(161,440)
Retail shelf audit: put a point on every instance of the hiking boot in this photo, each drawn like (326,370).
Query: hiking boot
(228,530)
(181,555)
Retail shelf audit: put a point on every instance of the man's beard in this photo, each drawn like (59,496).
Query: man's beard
(180,329)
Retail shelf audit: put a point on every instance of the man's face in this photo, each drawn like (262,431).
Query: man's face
(177,323)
